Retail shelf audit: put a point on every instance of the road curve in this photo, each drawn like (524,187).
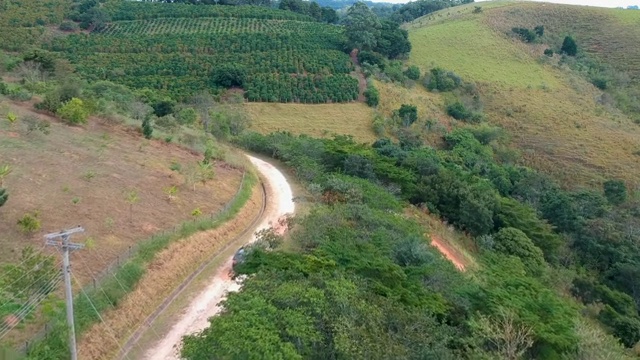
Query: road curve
(195,316)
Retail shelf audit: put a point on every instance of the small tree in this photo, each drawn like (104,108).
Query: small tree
(4,196)
(132,198)
(539,30)
(615,191)
(147,129)
(569,46)
(74,111)
(408,114)
(171,192)
(12,119)
(548,52)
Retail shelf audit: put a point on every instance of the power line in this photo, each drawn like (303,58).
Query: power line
(35,268)
(97,312)
(16,295)
(29,306)
(105,293)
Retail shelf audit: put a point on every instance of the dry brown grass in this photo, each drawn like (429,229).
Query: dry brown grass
(319,120)
(168,269)
(94,166)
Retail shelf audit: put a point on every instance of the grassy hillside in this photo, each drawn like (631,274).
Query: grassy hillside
(551,112)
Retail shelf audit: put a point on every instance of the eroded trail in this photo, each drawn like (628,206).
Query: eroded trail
(205,304)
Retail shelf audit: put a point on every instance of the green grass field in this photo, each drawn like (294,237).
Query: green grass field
(550,111)
(476,53)
(316,120)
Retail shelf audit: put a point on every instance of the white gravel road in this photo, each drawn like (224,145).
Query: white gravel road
(195,316)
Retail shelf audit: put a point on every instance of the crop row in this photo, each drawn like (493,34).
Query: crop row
(145,64)
(214,26)
(133,10)
(198,43)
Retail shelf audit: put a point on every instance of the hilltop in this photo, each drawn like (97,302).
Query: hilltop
(560,122)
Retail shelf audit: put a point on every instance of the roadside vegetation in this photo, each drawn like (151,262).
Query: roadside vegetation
(514,124)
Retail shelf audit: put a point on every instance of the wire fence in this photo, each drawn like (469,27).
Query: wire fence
(122,259)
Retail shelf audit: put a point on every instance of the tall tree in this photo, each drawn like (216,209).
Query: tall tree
(362,27)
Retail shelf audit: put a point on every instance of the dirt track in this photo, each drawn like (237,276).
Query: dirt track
(205,304)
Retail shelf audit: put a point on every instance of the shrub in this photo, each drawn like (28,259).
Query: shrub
(372,96)
(394,71)
(68,26)
(539,30)
(408,114)
(372,58)
(29,223)
(525,34)
(228,76)
(477,9)
(458,111)
(615,191)
(569,46)
(413,72)
(442,80)
(147,129)
(187,116)
(548,52)
(600,81)
(74,111)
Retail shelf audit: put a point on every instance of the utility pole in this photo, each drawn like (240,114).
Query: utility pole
(61,240)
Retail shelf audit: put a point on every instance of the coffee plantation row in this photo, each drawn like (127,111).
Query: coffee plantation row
(280,60)
(211,26)
(133,10)
(22,22)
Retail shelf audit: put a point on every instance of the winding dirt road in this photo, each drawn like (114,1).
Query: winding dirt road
(205,305)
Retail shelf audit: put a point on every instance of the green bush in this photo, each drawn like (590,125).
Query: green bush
(372,95)
(413,72)
(569,46)
(74,111)
(458,111)
(615,191)
(548,52)
(372,58)
(539,30)
(442,80)
(68,26)
(29,223)
(525,34)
